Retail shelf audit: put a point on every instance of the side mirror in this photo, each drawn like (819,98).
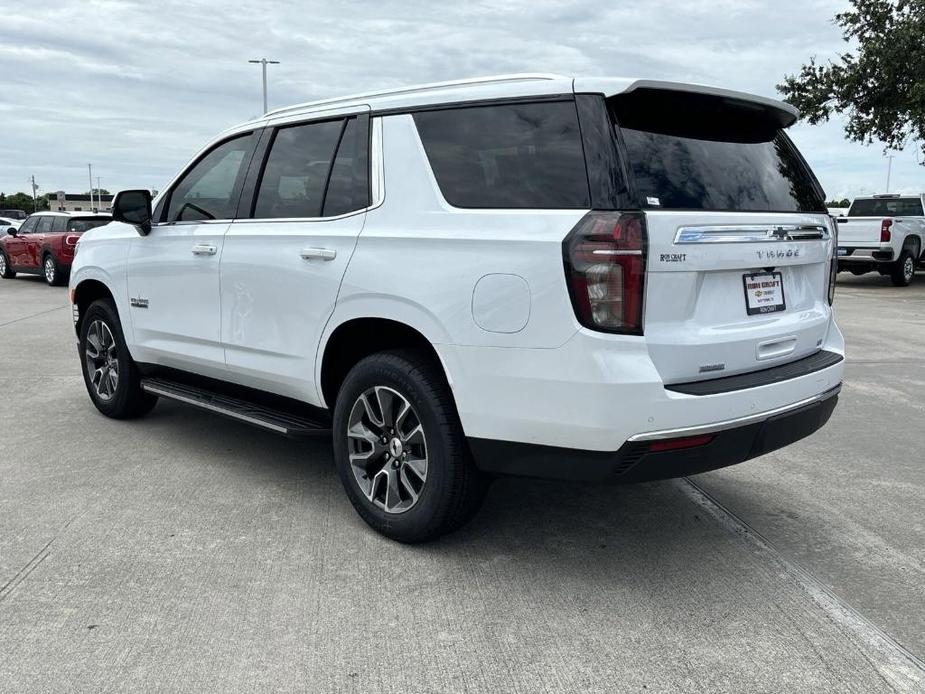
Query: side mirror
(133,207)
(11,231)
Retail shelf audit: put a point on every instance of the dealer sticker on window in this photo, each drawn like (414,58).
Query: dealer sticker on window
(764,293)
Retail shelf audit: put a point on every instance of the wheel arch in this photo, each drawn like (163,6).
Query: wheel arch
(913,241)
(357,338)
(85,293)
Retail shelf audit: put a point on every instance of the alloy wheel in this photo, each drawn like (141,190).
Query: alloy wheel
(909,268)
(102,360)
(2,264)
(387,449)
(49,269)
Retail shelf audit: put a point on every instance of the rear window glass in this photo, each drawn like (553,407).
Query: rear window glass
(82,224)
(886,207)
(706,153)
(507,156)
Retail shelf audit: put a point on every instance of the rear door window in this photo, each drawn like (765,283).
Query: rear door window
(348,187)
(697,152)
(45,224)
(296,173)
(525,155)
(886,207)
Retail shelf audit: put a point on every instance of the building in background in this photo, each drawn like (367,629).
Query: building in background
(78,202)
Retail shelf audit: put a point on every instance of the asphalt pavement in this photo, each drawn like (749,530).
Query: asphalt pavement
(186,552)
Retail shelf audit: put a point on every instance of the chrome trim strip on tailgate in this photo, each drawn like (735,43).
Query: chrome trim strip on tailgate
(751,233)
(734,423)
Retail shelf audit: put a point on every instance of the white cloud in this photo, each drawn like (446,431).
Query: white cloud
(136,88)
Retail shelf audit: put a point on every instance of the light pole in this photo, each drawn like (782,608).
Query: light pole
(889,166)
(90,171)
(263,62)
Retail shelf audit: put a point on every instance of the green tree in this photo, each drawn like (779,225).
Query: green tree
(879,84)
(98,191)
(23,201)
(844,202)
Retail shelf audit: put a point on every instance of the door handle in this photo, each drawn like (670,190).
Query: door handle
(204,249)
(323,253)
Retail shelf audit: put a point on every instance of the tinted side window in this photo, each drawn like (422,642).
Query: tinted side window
(29,225)
(507,156)
(45,224)
(60,224)
(296,172)
(348,189)
(209,190)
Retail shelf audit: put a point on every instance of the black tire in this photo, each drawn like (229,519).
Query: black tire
(52,272)
(903,270)
(127,400)
(6,272)
(453,489)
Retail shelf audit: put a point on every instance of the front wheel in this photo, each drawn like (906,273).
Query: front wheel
(110,374)
(6,272)
(400,450)
(903,270)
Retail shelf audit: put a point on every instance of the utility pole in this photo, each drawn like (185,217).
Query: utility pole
(34,188)
(263,62)
(99,194)
(90,169)
(889,167)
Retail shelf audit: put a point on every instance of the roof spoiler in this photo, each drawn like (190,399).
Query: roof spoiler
(781,113)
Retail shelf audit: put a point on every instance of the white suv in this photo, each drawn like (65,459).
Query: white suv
(594,279)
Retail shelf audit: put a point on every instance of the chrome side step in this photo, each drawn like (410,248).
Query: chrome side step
(242,410)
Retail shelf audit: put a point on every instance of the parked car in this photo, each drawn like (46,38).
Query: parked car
(13,214)
(594,279)
(883,233)
(6,223)
(45,244)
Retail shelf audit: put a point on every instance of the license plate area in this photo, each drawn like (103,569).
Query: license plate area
(764,292)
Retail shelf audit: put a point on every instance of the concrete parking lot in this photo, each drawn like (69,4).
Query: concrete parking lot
(185,552)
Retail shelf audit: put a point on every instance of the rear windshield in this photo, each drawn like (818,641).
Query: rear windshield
(81,224)
(886,207)
(525,155)
(695,152)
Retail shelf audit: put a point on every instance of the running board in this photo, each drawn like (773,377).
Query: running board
(242,410)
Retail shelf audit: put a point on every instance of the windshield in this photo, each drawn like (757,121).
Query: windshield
(696,152)
(81,224)
(886,207)
(13,214)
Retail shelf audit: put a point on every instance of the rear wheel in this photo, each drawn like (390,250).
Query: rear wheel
(53,274)
(111,376)
(400,450)
(903,270)
(6,272)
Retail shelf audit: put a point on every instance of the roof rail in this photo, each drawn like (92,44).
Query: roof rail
(473,81)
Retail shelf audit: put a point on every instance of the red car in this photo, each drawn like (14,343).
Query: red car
(44,244)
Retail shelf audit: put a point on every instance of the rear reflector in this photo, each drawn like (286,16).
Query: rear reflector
(605,262)
(681,443)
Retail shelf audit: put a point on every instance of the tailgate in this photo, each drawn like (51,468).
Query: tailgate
(859,231)
(713,304)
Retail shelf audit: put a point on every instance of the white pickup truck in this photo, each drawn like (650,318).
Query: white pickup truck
(885,233)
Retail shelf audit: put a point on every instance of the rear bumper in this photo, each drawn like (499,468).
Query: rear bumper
(732,442)
(848,254)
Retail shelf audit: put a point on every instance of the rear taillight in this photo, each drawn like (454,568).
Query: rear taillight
(71,239)
(605,264)
(885,230)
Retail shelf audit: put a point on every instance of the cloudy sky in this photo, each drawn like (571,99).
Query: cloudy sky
(137,88)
